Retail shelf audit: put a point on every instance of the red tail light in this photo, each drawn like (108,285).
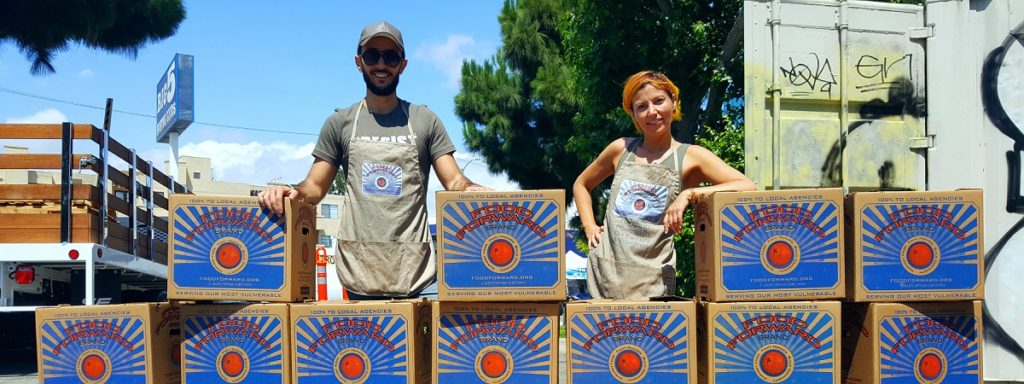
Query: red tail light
(73,254)
(24,274)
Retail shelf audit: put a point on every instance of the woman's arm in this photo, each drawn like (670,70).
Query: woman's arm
(703,166)
(598,170)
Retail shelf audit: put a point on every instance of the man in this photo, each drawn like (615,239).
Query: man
(386,147)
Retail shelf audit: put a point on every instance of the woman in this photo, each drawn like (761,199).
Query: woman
(656,178)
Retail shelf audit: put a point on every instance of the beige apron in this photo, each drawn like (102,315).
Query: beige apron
(635,258)
(384,238)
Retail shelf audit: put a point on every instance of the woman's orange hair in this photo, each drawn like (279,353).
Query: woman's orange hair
(655,79)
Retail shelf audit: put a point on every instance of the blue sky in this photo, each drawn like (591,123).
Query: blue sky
(265,65)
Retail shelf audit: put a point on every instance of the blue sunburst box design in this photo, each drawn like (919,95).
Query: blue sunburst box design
(121,343)
(495,343)
(771,245)
(93,349)
(356,343)
(631,342)
(235,343)
(501,246)
(794,342)
(929,343)
(918,245)
(228,248)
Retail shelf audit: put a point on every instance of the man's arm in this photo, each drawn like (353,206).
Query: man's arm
(451,176)
(312,189)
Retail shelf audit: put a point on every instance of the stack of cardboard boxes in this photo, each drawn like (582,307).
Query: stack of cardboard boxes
(769,271)
(501,278)
(229,249)
(916,270)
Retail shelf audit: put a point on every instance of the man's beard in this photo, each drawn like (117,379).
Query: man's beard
(386,90)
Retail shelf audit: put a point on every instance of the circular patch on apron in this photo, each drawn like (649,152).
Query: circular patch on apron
(773,363)
(920,255)
(628,363)
(494,364)
(229,256)
(352,366)
(930,366)
(780,255)
(232,364)
(500,253)
(93,366)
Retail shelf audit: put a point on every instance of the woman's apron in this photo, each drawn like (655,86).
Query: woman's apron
(635,258)
(384,238)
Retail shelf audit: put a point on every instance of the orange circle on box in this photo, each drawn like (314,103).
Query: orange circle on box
(93,367)
(352,366)
(930,366)
(500,252)
(773,363)
(920,255)
(628,363)
(493,364)
(229,255)
(232,364)
(780,254)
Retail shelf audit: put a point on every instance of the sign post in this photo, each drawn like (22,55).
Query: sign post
(175,105)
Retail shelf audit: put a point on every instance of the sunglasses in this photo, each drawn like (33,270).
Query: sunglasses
(372,56)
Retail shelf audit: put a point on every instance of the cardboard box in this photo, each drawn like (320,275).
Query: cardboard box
(232,343)
(228,248)
(915,246)
(631,341)
(501,246)
(912,343)
(770,342)
(495,342)
(361,342)
(124,343)
(770,245)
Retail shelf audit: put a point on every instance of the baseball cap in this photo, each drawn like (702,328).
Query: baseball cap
(383,29)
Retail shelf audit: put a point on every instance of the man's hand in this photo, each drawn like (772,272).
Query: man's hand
(273,198)
(473,187)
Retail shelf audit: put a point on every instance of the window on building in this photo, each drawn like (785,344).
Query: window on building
(329,211)
(196,175)
(325,240)
(123,195)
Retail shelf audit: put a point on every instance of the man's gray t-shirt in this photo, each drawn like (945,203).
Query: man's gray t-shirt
(432,140)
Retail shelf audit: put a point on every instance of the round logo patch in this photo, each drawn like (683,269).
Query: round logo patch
(920,255)
(780,255)
(773,363)
(500,253)
(232,364)
(93,366)
(352,366)
(494,364)
(229,256)
(628,363)
(930,366)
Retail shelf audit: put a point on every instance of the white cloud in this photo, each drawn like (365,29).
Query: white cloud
(45,116)
(447,56)
(86,73)
(254,162)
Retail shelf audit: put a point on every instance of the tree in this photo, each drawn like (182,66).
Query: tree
(41,28)
(518,106)
(338,186)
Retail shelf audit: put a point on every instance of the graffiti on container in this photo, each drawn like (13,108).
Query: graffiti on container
(999,114)
(885,72)
(816,76)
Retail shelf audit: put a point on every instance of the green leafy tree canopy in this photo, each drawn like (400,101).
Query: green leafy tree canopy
(42,28)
